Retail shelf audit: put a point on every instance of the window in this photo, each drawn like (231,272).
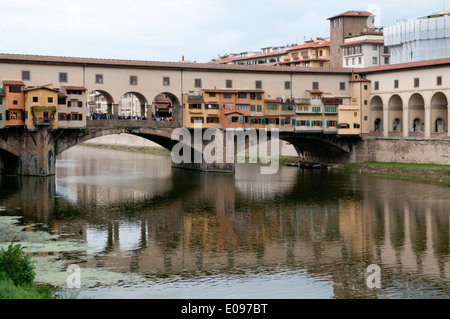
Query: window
(366,87)
(1,100)
(315,85)
(243,107)
(198,83)
(272,107)
(317,123)
(356,125)
(386,60)
(212,94)
(439,80)
(396,83)
(15,89)
(360,60)
(99,78)
(242,95)
(416,82)
(229,84)
(287,85)
(166,81)
(227,96)
(347,61)
(212,120)
(63,77)
(376,85)
(342,86)
(61,100)
(133,80)
(258,84)
(197,119)
(374,47)
(15,102)
(374,60)
(50,100)
(195,106)
(259,108)
(26,76)
(35,99)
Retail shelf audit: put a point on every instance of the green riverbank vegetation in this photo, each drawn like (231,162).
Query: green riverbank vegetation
(432,172)
(17,275)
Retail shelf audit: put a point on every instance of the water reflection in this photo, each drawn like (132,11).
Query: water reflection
(138,215)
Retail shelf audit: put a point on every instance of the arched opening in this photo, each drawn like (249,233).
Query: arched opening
(132,105)
(439,113)
(417,113)
(417,125)
(165,107)
(378,125)
(376,112)
(439,126)
(100,105)
(397,125)
(396,113)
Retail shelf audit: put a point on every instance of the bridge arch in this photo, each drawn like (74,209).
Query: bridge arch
(127,101)
(416,107)
(376,114)
(439,113)
(166,105)
(395,107)
(100,102)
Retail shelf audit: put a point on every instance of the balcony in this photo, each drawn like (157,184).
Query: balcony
(40,121)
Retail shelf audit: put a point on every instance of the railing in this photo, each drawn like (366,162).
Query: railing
(43,121)
(132,124)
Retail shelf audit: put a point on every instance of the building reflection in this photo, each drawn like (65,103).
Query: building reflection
(214,223)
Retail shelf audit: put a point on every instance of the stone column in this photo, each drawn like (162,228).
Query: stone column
(109,109)
(427,121)
(143,110)
(386,121)
(116,111)
(405,121)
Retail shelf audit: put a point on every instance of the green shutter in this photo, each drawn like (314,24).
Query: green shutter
(308,123)
(282,121)
(328,123)
(321,123)
(298,123)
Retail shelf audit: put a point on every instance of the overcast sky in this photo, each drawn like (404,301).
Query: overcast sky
(166,30)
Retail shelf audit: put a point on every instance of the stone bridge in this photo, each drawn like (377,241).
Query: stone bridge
(24,152)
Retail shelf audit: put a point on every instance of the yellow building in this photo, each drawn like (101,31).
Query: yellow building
(201,108)
(313,53)
(40,107)
(353,118)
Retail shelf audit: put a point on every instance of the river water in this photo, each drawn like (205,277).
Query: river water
(138,228)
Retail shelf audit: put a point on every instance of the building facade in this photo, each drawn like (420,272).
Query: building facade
(312,53)
(422,39)
(365,50)
(345,25)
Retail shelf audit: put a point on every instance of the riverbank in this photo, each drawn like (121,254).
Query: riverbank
(429,172)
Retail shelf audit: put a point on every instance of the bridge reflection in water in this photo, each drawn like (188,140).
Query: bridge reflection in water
(137,214)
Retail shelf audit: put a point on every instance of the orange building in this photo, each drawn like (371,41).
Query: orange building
(14,101)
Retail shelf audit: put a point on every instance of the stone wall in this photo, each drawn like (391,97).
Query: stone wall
(432,151)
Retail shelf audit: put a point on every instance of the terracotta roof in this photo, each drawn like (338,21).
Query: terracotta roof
(75,88)
(19,58)
(362,41)
(258,55)
(309,46)
(32,88)
(410,65)
(13,82)
(353,14)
